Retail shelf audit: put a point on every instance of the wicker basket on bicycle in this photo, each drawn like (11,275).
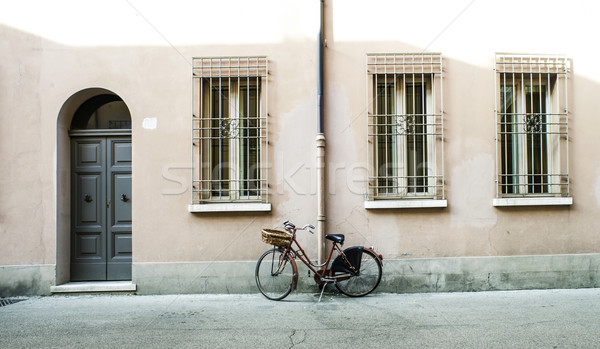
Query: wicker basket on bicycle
(276,237)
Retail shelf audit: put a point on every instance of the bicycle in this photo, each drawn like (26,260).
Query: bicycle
(356,271)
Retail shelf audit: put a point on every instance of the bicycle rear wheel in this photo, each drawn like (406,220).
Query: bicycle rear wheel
(367,279)
(274,274)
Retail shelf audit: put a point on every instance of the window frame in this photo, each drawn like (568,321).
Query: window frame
(392,187)
(517,177)
(400,149)
(235,147)
(522,157)
(241,132)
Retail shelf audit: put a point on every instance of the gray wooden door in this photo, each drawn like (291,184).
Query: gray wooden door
(100,208)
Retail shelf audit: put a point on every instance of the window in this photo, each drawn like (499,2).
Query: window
(229,129)
(532,126)
(104,111)
(405,126)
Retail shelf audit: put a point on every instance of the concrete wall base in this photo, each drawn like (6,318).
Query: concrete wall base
(465,274)
(26,280)
(399,276)
(491,273)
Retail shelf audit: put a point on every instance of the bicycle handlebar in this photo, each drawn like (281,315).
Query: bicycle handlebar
(291,226)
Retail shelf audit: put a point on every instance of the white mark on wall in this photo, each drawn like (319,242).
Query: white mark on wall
(150,123)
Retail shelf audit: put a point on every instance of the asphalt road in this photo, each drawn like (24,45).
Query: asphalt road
(516,319)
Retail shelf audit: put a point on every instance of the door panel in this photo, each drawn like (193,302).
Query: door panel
(89,187)
(101,215)
(88,194)
(122,245)
(122,194)
(119,213)
(122,153)
(89,246)
(90,153)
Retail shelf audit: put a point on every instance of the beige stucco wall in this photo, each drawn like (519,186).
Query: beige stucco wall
(40,72)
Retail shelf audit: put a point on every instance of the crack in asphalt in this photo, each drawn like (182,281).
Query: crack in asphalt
(291,337)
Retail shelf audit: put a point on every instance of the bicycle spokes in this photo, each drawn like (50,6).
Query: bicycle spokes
(278,266)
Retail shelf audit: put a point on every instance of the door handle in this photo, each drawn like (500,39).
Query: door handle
(88,198)
(124,198)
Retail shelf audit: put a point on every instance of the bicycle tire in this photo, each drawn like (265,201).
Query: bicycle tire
(274,280)
(366,281)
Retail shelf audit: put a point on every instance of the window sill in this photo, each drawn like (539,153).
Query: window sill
(409,203)
(539,201)
(231,207)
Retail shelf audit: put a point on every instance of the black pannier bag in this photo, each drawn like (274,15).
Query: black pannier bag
(354,256)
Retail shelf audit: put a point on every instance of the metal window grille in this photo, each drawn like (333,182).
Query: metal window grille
(119,124)
(532,125)
(230,129)
(405,126)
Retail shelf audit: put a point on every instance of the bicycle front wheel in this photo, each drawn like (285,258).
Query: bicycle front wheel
(274,274)
(367,279)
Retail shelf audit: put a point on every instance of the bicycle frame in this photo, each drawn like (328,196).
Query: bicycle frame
(355,271)
(323,274)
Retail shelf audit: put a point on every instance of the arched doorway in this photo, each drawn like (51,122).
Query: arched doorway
(100,187)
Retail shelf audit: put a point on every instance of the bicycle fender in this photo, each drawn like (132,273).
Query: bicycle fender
(295,276)
(380,257)
(354,256)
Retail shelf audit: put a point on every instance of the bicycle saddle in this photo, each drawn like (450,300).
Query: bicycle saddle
(339,238)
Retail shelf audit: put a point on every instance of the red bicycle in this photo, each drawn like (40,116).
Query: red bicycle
(356,271)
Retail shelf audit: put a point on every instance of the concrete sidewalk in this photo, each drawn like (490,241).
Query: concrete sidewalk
(513,319)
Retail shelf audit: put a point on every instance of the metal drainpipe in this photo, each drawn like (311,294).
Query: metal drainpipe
(320,140)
